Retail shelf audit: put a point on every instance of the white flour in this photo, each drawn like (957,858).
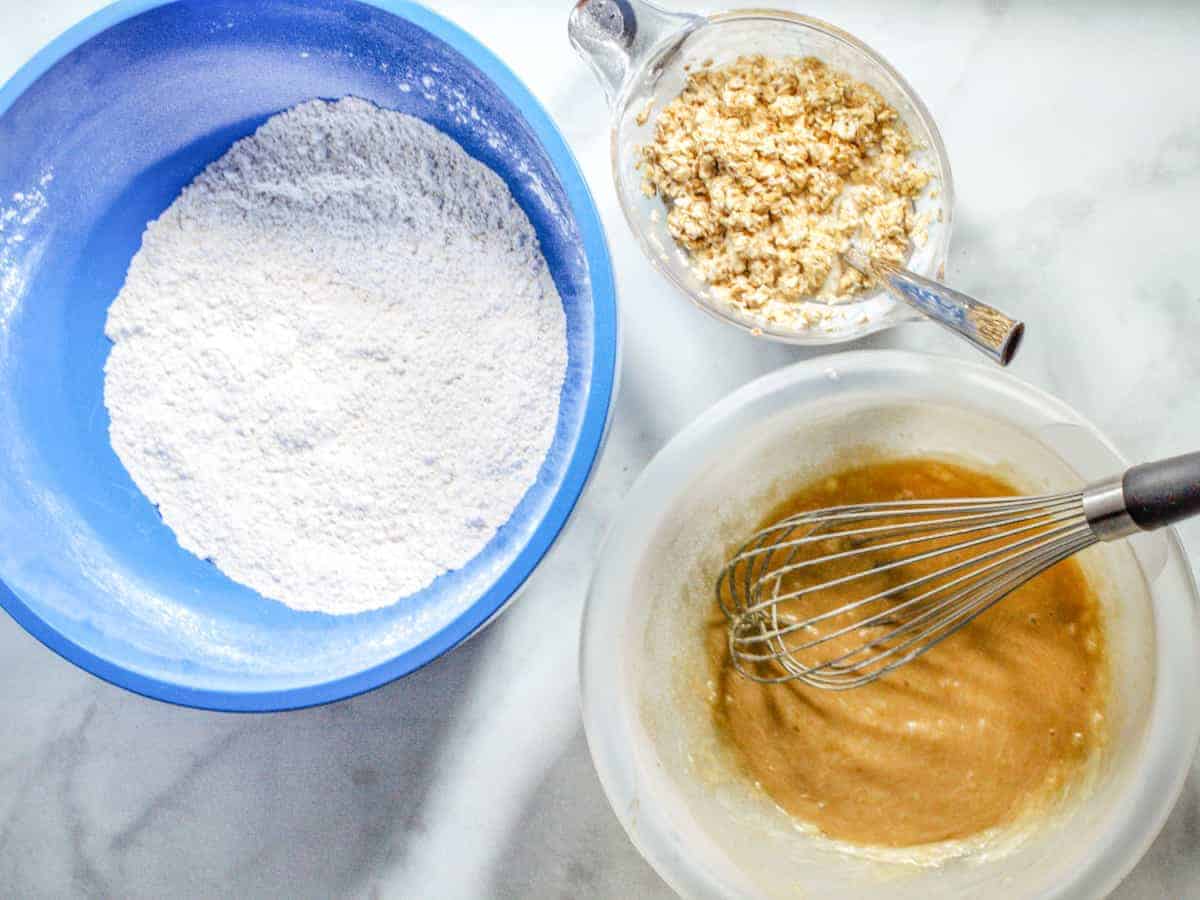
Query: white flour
(338,358)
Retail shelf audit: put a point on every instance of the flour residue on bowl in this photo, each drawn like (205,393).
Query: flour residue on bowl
(19,214)
(337,358)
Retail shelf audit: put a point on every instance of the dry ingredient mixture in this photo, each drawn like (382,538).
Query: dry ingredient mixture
(990,726)
(770,168)
(337,358)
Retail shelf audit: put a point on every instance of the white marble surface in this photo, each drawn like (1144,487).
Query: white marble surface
(1074,132)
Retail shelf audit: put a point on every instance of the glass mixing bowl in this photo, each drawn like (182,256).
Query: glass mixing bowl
(644,671)
(639,52)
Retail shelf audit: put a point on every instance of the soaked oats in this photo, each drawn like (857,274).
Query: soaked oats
(770,168)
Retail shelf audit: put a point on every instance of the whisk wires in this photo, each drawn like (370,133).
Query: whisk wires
(839,597)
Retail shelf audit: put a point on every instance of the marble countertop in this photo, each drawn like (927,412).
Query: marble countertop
(1074,132)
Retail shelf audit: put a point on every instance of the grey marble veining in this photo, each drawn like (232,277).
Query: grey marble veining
(1074,133)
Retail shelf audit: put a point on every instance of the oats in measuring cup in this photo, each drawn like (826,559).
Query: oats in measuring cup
(770,168)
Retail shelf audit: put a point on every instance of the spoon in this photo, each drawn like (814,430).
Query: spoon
(985,327)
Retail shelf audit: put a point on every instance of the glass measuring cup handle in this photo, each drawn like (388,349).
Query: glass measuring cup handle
(618,38)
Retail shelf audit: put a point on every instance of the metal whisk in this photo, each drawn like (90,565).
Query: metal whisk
(924,569)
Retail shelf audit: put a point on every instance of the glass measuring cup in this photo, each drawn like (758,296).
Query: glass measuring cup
(638,51)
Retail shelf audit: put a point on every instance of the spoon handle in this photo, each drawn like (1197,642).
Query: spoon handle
(986,327)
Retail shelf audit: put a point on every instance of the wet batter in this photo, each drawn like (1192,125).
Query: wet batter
(992,723)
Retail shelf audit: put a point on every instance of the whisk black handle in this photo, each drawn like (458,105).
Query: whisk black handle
(1163,492)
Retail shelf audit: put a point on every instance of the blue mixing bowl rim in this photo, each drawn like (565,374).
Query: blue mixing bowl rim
(583,459)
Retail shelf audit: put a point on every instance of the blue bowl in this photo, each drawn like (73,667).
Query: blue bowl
(98,134)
